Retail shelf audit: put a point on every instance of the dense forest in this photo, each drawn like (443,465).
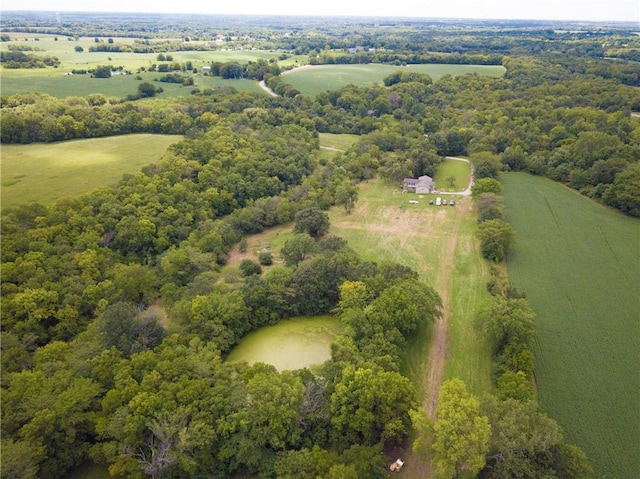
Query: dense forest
(91,372)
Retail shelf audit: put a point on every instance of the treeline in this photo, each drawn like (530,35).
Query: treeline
(18,59)
(360,56)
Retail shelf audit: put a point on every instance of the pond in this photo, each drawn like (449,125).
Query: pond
(291,344)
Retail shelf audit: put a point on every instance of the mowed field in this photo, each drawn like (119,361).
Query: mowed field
(45,172)
(580,265)
(312,80)
(56,82)
(439,243)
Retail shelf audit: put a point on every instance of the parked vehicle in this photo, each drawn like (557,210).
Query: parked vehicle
(438,201)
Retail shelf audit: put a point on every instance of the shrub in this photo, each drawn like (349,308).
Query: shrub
(249,268)
(265,258)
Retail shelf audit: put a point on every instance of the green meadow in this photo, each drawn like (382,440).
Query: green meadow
(579,263)
(46,172)
(320,78)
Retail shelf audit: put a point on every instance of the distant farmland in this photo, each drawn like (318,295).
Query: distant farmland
(317,79)
(46,172)
(56,82)
(580,265)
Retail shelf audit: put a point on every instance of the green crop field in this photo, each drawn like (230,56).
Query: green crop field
(317,79)
(45,172)
(580,265)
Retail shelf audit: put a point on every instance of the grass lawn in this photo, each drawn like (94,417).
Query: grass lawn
(579,263)
(321,78)
(459,170)
(45,172)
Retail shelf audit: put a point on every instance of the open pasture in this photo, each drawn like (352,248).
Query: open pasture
(439,243)
(312,80)
(46,172)
(579,263)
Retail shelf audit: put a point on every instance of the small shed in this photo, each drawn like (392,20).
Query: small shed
(396,466)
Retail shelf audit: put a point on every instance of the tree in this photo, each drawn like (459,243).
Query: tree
(297,248)
(124,327)
(353,294)
(146,90)
(53,415)
(525,442)
(346,195)
(451,181)
(305,463)
(624,193)
(369,406)
(265,258)
(78,49)
(312,221)
(249,268)
(486,164)
(486,185)
(514,158)
(461,432)
(20,459)
(102,71)
(496,237)
(508,321)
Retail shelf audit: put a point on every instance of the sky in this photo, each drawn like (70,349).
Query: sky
(583,10)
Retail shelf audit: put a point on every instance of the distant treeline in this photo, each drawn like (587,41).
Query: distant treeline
(355,57)
(19,59)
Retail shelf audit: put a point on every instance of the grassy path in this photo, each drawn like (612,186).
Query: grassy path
(438,352)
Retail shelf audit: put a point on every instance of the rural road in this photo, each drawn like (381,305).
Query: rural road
(264,86)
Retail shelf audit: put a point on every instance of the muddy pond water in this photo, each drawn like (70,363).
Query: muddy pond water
(290,344)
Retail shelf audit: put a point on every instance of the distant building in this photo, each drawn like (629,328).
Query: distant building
(422,185)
